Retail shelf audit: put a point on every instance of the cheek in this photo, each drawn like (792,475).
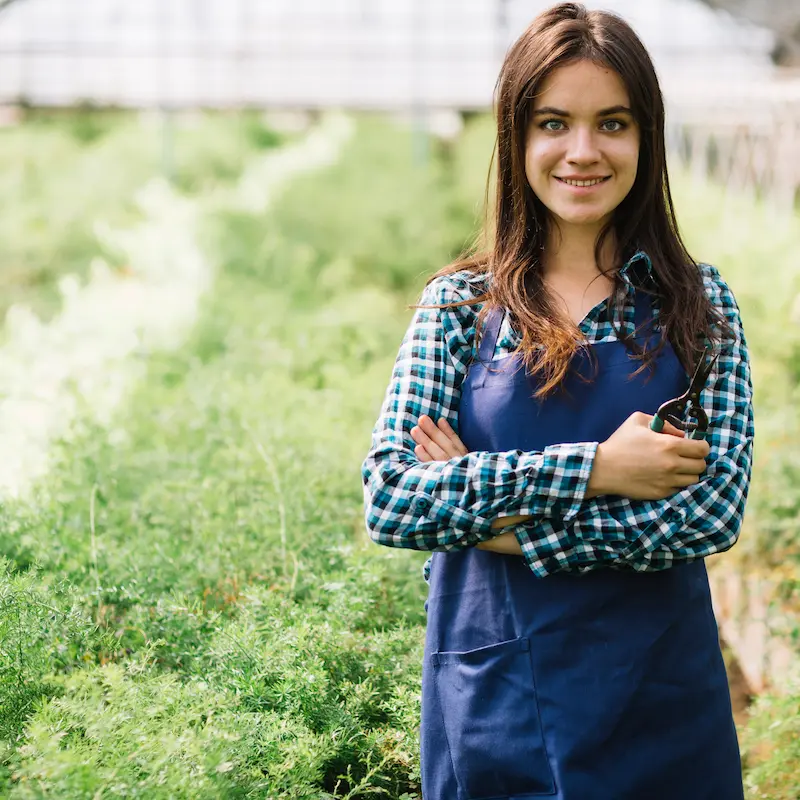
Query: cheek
(631,171)
(627,158)
(539,161)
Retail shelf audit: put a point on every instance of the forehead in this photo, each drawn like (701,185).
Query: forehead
(582,87)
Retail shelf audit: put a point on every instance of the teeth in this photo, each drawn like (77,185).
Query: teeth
(582,183)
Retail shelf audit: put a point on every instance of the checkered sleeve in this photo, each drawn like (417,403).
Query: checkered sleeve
(451,504)
(700,520)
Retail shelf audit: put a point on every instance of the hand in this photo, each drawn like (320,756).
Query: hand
(641,464)
(439,442)
(436,442)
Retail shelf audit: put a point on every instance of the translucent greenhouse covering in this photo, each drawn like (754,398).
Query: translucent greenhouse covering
(319,53)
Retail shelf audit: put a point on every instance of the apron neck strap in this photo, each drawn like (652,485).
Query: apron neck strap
(643,313)
(491,330)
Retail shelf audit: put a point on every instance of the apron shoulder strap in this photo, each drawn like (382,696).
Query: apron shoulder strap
(643,317)
(643,313)
(491,330)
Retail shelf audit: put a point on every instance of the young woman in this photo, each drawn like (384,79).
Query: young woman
(571,647)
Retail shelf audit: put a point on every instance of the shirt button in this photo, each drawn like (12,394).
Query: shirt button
(422,503)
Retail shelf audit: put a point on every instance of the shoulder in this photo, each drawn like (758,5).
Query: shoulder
(718,291)
(724,303)
(436,330)
(453,327)
(458,287)
(455,288)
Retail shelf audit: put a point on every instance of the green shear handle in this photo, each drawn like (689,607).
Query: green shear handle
(687,405)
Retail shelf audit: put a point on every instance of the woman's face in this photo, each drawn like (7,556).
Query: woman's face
(582,130)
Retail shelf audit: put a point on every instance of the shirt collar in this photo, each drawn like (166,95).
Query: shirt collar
(639,262)
(639,258)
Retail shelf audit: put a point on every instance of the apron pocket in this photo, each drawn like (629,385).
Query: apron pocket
(491,720)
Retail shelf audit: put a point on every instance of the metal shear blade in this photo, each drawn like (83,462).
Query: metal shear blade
(688,404)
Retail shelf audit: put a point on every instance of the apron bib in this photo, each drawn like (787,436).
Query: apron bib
(608,685)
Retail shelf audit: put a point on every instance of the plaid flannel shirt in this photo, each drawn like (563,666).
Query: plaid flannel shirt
(451,504)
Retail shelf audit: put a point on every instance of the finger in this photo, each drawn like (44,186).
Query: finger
(422,438)
(693,448)
(690,466)
(422,454)
(684,480)
(438,437)
(667,427)
(672,430)
(447,429)
(418,436)
(687,448)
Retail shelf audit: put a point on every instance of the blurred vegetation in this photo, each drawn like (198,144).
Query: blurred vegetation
(242,636)
(757,249)
(61,171)
(771,748)
(189,606)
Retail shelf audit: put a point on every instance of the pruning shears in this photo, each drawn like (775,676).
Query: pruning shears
(687,405)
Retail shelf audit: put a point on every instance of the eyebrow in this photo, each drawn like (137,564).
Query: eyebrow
(606,112)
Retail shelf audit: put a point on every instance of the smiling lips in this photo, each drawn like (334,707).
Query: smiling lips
(584,182)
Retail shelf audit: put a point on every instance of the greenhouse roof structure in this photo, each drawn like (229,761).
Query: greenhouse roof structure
(318,53)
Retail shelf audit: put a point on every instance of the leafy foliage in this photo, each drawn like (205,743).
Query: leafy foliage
(771,749)
(43,632)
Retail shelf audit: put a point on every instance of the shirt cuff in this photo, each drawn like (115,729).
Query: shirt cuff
(455,524)
(545,548)
(558,481)
(659,530)
(549,547)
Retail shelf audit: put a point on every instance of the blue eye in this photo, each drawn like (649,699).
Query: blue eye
(557,125)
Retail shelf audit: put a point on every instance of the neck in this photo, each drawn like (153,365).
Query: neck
(571,252)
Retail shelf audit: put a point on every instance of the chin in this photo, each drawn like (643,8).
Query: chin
(593,218)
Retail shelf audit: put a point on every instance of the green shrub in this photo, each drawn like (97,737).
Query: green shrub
(43,632)
(771,749)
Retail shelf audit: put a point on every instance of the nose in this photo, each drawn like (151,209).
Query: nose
(582,148)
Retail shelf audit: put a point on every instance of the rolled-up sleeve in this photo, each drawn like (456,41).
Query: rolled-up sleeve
(451,504)
(698,521)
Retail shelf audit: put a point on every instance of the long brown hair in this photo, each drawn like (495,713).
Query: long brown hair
(644,220)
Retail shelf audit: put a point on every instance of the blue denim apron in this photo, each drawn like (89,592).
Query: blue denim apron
(608,685)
